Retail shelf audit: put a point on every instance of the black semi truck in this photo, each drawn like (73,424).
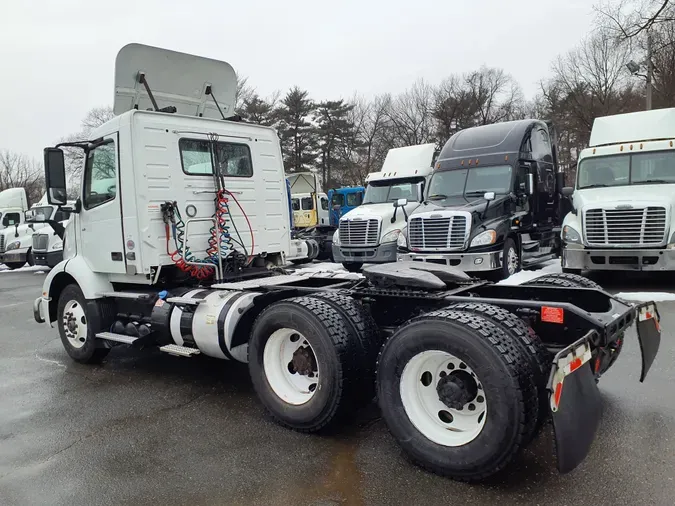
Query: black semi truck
(493,204)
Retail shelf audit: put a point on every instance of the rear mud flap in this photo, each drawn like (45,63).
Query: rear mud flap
(576,405)
(649,335)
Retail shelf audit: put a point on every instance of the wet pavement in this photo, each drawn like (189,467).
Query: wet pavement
(147,428)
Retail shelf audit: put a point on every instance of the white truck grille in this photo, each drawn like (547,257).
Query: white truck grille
(639,226)
(359,232)
(40,242)
(439,234)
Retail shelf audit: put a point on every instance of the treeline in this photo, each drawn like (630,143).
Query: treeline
(347,138)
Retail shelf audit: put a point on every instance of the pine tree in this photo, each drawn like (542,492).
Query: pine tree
(258,110)
(335,129)
(296,132)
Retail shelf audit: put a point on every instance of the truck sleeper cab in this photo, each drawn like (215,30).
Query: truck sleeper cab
(623,215)
(368,234)
(491,205)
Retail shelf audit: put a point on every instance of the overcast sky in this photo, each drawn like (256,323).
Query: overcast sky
(58,57)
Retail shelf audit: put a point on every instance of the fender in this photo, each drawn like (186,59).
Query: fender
(74,270)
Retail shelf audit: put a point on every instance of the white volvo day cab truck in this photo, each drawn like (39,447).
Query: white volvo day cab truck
(163,254)
(623,215)
(13,205)
(368,234)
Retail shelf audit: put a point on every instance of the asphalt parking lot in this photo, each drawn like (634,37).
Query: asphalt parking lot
(147,428)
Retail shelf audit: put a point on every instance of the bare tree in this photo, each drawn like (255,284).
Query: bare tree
(245,93)
(630,19)
(18,171)
(410,115)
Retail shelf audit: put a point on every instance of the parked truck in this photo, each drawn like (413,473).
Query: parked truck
(467,371)
(13,205)
(16,243)
(369,233)
(493,202)
(623,215)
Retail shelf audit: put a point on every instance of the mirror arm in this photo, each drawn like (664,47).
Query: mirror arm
(393,218)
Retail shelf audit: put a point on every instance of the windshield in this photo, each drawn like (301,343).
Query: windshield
(39,214)
(470,182)
(379,192)
(621,170)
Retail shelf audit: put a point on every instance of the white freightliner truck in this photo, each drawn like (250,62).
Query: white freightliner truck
(368,234)
(163,257)
(13,205)
(623,214)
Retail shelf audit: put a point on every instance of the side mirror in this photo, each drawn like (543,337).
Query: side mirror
(401,203)
(55,176)
(567,191)
(337,207)
(489,196)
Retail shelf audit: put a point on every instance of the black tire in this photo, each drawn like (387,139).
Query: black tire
(564,280)
(502,368)
(525,336)
(98,316)
(15,265)
(337,354)
(510,246)
(30,259)
(363,328)
(352,266)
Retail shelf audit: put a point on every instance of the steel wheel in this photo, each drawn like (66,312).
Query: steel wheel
(290,366)
(74,323)
(512,261)
(443,398)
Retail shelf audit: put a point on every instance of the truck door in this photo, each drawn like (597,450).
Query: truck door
(545,180)
(101,217)
(322,211)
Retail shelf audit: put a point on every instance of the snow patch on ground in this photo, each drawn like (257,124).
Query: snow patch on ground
(647,296)
(27,268)
(521,277)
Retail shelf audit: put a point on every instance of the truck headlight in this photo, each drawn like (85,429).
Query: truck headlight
(402,241)
(484,239)
(391,236)
(57,245)
(570,235)
(336,237)
(13,245)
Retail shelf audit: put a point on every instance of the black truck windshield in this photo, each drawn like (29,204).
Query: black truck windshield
(469,183)
(657,167)
(379,192)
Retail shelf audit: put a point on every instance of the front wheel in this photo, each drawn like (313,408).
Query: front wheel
(15,265)
(78,323)
(510,260)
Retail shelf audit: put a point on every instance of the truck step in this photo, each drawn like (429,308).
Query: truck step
(124,295)
(118,338)
(528,262)
(184,301)
(179,351)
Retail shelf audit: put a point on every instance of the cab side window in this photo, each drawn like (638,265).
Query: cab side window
(100,176)
(11,219)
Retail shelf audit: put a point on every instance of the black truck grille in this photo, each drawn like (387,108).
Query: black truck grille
(2,242)
(449,233)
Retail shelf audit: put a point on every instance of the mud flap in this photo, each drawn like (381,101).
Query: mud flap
(576,405)
(649,335)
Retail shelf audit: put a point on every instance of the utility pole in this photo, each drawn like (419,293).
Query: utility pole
(650,71)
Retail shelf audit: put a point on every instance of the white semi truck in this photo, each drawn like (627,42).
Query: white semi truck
(13,205)
(623,215)
(161,256)
(369,233)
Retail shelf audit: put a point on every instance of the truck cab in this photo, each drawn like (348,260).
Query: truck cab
(17,242)
(623,215)
(343,200)
(368,234)
(13,205)
(48,242)
(492,203)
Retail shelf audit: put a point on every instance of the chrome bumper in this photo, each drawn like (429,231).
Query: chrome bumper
(467,262)
(617,259)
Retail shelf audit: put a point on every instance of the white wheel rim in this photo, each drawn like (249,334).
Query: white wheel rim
(512,261)
(278,358)
(75,324)
(433,418)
